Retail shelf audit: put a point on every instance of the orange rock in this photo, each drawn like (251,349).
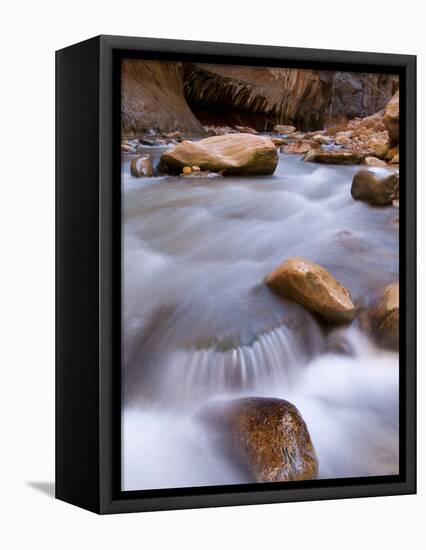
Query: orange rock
(391,119)
(267,438)
(228,154)
(314,287)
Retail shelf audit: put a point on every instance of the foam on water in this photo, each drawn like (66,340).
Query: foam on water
(199,322)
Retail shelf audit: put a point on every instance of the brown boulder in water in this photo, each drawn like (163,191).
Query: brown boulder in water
(267,438)
(229,154)
(336,157)
(314,287)
(391,119)
(383,318)
(141,167)
(375,186)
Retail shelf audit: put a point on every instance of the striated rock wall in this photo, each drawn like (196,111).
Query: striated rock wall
(152,98)
(168,96)
(260,97)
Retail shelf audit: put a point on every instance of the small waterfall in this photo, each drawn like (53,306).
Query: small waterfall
(199,324)
(188,376)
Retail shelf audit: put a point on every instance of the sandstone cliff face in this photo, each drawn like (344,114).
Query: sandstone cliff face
(152,98)
(168,96)
(260,97)
(359,94)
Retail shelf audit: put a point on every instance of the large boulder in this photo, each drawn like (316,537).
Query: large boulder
(376,186)
(230,154)
(267,438)
(391,119)
(314,287)
(338,156)
(383,317)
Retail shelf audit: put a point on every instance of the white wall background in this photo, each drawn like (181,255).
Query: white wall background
(30,32)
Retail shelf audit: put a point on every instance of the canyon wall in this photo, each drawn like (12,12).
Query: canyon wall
(152,98)
(169,96)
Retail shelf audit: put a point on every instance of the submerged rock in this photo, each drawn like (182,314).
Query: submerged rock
(337,343)
(340,156)
(379,187)
(314,287)
(229,154)
(141,167)
(383,317)
(267,438)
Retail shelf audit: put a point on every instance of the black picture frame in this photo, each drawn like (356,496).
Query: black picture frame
(88,274)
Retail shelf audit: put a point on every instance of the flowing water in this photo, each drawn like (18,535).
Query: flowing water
(198,322)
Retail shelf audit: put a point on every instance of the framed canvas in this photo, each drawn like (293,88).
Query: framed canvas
(236,282)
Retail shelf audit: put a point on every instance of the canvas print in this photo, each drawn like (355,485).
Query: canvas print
(260,266)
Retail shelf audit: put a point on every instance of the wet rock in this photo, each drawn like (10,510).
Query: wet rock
(336,156)
(373,161)
(314,287)
(141,167)
(395,159)
(229,154)
(147,141)
(278,142)
(303,146)
(172,135)
(378,147)
(392,152)
(375,186)
(383,317)
(391,119)
(219,130)
(284,129)
(127,148)
(342,139)
(319,138)
(266,438)
(246,130)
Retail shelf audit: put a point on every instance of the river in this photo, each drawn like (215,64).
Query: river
(199,324)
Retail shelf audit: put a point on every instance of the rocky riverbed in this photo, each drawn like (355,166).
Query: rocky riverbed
(202,321)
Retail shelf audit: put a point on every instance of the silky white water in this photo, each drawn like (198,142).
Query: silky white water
(198,322)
